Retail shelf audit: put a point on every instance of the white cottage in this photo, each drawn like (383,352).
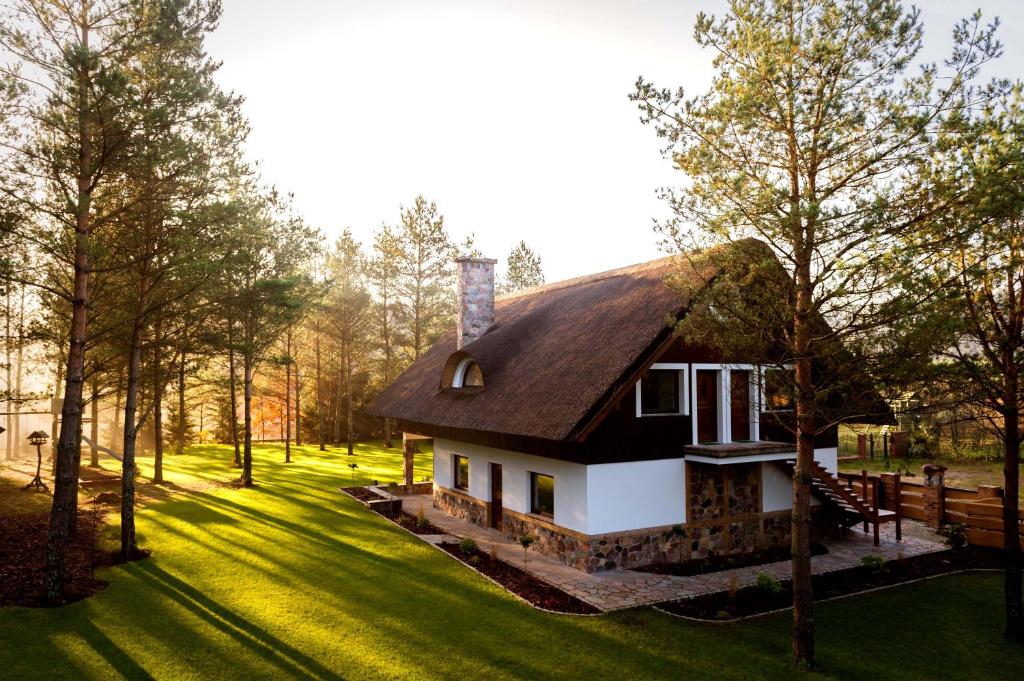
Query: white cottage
(573,412)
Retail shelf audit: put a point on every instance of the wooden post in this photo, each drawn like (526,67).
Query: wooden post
(408,455)
(862,446)
(941,501)
(874,505)
(864,493)
(896,507)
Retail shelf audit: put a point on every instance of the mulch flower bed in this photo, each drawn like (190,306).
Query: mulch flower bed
(23,557)
(536,591)
(714,563)
(411,523)
(755,600)
(362,494)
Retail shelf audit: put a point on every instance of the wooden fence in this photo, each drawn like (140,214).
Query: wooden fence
(979,510)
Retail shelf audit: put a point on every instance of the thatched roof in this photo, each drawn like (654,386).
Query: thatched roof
(553,355)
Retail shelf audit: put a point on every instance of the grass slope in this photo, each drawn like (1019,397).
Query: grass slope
(294,580)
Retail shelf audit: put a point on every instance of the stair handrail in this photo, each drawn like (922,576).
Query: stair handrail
(822,474)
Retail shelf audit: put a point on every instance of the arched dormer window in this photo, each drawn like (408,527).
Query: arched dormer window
(462,371)
(468,374)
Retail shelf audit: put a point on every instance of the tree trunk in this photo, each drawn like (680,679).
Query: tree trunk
(234,397)
(63,514)
(288,398)
(158,412)
(337,409)
(298,407)
(9,448)
(55,421)
(131,400)
(348,401)
(247,410)
(117,410)
(94,427)
(179,445)
(20,370)
(803,606)
(387,366)
(1011,512)
(319,392)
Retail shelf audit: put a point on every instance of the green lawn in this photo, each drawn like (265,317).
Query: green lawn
(294,580)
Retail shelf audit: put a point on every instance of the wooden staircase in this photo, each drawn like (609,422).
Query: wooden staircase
(853,508)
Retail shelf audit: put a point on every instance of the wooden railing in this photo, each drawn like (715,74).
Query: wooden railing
(979,510)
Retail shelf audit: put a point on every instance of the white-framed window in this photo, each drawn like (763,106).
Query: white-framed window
(460,472)
(542,494)
(467,374)
(726,402)
(663,390)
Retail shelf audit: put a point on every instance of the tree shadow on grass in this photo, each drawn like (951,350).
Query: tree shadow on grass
(117,658)
(287,658)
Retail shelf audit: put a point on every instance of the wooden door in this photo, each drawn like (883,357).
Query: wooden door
(707,406)
(496,508)
(739,398)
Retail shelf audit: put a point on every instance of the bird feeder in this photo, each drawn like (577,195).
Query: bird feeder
(38,438)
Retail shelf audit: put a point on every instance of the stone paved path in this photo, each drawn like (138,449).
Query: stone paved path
(627,588)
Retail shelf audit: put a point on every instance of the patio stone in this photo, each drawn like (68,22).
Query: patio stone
(619,589)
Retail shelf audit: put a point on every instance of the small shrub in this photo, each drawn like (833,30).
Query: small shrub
(392,485)
(467,545)
(723,615)
(422,523)
(526,541)
(874,563)
(768,584)
(473,560)
(956,536)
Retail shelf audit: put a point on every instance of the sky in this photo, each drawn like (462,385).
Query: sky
(513,117)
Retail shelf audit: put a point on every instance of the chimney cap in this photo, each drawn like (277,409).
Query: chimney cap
(473,258)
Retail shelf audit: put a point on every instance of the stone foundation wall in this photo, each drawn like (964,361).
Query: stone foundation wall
(569,547)
(720,529)
(460,505)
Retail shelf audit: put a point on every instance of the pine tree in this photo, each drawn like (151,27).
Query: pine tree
(975,280)
(425,260)
(347,306)
(523,270)
(82,126)
(804,141)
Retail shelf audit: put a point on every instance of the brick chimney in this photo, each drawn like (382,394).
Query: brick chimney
(476,298)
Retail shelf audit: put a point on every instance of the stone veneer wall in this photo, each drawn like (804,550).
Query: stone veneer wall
(722,529)
(475,287)
(460,505)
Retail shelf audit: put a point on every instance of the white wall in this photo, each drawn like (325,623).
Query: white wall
(601,498)
(635,495)
(776,488)
(777,485)
(570,479)
(828,457)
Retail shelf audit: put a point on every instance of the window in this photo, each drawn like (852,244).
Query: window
(779,389)
(707,405)
(739,397)
(468,375)
(461,469)
(659,392)
(542,494)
